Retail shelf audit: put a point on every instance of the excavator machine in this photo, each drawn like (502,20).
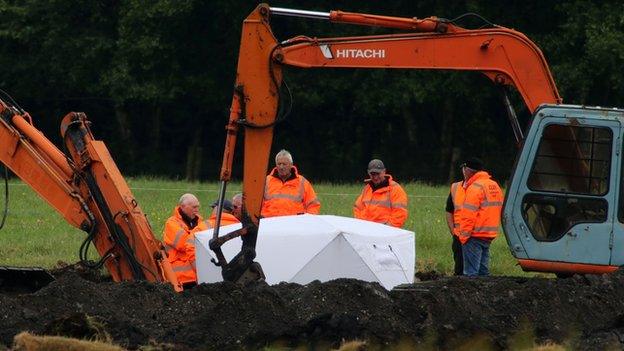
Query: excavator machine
(563,209)
(83,185)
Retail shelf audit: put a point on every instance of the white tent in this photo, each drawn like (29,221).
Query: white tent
(304,248)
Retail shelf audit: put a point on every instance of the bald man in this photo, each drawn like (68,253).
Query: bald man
(179,238)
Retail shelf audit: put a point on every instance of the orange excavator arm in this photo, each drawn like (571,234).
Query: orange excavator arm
(505,56)
(87,189)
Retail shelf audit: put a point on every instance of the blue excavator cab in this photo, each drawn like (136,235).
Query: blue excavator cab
(563,211)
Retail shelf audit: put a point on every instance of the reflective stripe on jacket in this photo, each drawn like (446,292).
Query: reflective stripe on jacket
(387,205)
(294,196)
(458,193)
(226,219)
(480,213)
(179,242)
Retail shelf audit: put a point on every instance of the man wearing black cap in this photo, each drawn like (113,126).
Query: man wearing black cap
(382,200)
(476,216)
(453,203)
(226,214)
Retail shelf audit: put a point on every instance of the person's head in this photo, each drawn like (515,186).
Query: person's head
(227,206)
(470,167)
(283,163)
(237,205)
(189,205)
(377,171)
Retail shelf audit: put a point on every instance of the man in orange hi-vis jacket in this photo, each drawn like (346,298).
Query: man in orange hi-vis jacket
(179,238)
(286,192)
(478,218)
(382,200)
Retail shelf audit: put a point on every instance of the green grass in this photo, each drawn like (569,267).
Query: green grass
(35,235)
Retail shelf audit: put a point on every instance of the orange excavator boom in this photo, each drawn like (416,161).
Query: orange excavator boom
(505,56)
(87,189)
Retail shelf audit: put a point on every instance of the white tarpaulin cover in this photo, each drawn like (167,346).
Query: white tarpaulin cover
(300,249)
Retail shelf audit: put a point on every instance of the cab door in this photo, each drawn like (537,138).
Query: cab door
(560,206)
(617,252)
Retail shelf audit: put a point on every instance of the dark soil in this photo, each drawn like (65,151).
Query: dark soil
(583,312)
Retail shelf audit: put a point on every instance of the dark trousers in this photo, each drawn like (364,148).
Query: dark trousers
(457,256)
(476,253)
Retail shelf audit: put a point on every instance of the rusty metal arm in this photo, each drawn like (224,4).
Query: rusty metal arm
(87,190)
(41,165)
(123,232)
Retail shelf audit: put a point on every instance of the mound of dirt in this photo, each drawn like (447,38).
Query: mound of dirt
(584,312)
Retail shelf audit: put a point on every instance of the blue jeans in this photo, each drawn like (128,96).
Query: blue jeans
(476,257)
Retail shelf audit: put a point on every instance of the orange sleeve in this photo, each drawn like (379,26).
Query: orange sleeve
(174,235)
(311,202)
(468,212)
(399,213)
(357,207)
(265,211)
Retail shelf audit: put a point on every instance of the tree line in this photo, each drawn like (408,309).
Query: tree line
(156,79)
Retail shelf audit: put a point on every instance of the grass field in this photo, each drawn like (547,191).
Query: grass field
(35,235)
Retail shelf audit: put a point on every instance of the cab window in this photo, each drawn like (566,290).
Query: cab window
(572,166)
(572,160)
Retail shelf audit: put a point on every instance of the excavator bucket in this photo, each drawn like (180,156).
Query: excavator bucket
(242,269)
(23,279)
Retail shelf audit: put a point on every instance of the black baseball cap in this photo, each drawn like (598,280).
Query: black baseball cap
(473,163)
(376,165)
(227,205)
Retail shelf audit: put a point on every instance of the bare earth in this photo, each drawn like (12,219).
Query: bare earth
(583,312)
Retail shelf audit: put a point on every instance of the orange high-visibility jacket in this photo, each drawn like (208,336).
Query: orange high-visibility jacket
(179,242)
(458,194)
(480,213)
(294,196)
(226,219)
(387,205)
